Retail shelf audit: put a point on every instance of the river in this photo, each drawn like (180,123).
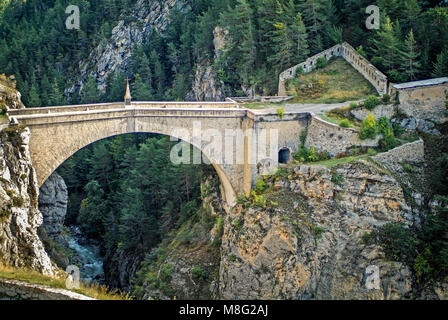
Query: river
(86,256)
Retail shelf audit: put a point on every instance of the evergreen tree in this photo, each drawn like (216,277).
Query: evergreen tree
(90,92)
(289,38)
(386,47)
(440,68)
(410,57)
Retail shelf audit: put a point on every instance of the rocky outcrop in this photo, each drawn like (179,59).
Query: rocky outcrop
(10,97)
(205,85)
(53,205)
(308,241)
(20,245)
(132,30)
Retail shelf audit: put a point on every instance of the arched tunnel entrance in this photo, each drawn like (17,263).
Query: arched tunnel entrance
(114,202)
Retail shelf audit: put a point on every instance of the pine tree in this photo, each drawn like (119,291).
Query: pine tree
(289,38)
(90,92)
(440,67)
(141,90)
(34,99)
(315,22)
(410,57)
(386,47)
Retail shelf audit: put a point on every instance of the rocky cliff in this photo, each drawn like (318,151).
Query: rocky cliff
(307,241)
(132,30)
(20,245)
(53,205)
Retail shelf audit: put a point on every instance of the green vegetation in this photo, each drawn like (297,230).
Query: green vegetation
(371,152)
(336,178)
(371,102)
(334,162)
(93,290)
(335,82)
(344,123)
(368,129)
(280,113)
(265,38)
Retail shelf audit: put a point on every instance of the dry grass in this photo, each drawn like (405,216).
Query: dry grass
(335,83)
(93,290)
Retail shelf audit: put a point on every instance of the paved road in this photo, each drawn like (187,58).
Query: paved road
(310,107)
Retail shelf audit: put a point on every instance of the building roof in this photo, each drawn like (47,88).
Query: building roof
(422,83)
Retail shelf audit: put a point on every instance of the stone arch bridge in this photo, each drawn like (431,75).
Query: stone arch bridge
(58,132)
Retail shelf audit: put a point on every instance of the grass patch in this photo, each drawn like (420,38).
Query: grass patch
(334,162)
(334,83)
(93,290)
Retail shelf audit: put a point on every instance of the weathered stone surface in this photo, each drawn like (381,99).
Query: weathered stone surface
(412,124)
(131,31)
(11,97)
(326,136)
(313,249)
(424,102)
(205,84)
(26,291)
(53,205)
(387,111)
(20,245)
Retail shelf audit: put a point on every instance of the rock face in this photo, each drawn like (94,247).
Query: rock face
(309,244)
(205,85)
(20,245)
(53,205)
(132,30)
(10,97)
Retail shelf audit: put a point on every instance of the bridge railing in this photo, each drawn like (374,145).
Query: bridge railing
(120,105)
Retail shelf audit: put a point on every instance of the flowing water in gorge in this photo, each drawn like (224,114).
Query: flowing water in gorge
(86,256)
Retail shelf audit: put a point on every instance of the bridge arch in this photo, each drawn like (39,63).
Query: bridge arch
(69,149)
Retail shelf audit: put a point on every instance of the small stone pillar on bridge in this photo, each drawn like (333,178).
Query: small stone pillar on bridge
(127,96)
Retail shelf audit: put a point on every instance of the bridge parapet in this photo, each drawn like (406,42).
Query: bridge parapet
(120,105)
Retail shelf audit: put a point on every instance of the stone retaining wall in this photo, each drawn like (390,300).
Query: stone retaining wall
(413,152)
(361,64)
(326,136)
(19,290)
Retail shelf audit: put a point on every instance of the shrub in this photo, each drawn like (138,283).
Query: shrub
(299,71)
(371,152)
(303,135)
(407,167)
(321,62)
(344,123)
(385,98)
(200,273)
(260,186)
(280,113)
(371,102)
(336,178)
(353,105)
(368,129)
